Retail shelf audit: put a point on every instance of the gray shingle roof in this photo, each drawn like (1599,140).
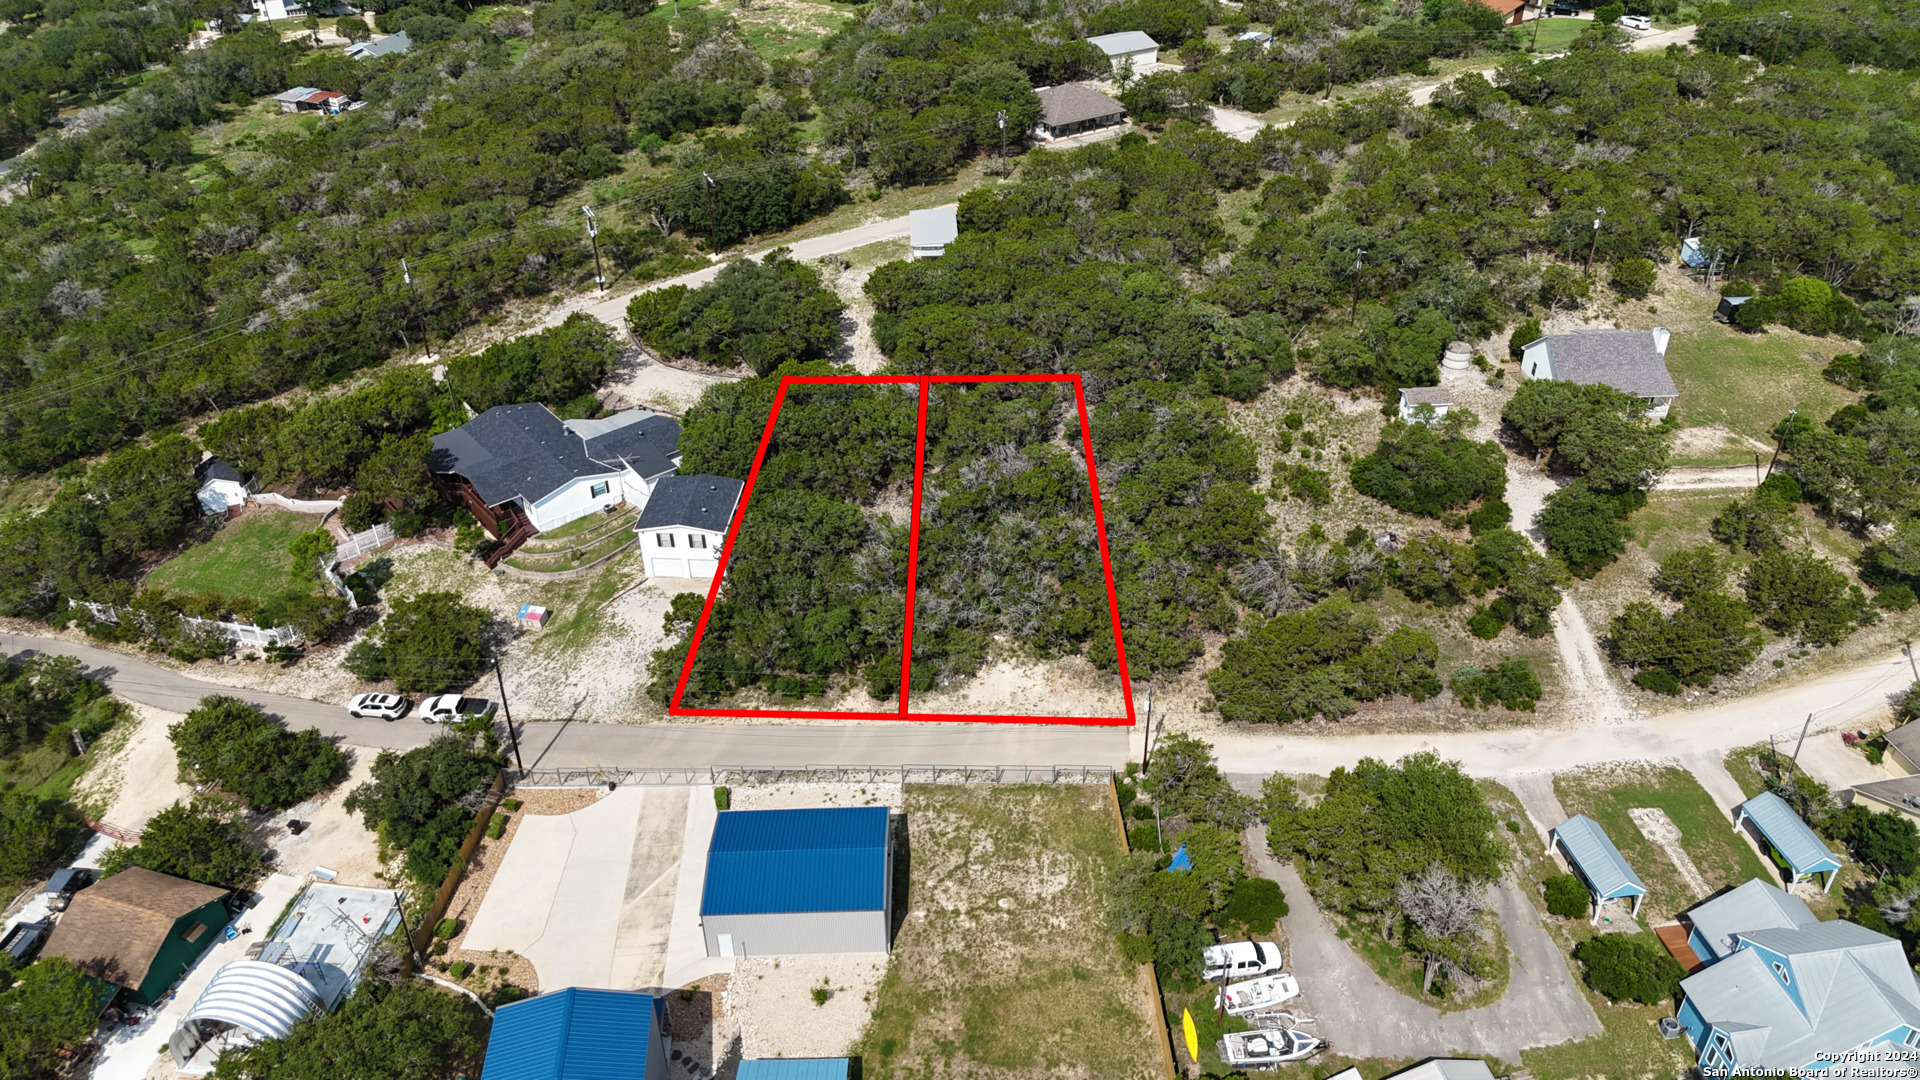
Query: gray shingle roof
(933,228)
(1589,848)
(1626,360)
(392,43)
(1124,42)
(1072,103)
(524,451)
(1426,395)
(1788,834)
(215,469)
(1906,739)
(691,502)
(646,442)
(1753,905)
(1895,792)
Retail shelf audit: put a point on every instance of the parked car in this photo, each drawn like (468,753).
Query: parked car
(446,708)
(384,706)
(1636,22)
(1240,959)
(24,940)
(1562,9)
(64,883)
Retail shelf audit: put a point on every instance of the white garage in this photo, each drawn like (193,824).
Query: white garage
(685,524)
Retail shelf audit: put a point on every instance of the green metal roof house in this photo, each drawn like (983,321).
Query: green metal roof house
(1591,855)
(139,930)
(1794,845)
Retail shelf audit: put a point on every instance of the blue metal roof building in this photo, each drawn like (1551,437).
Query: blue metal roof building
(579,1034)
(1791,840)
(1591,854)
(795,1069)
(780,882)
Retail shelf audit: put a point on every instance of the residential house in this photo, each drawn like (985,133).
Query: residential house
(1903,747)
(685,524)
(306,99)
(1263,40)
(521,470)
(222,487)
(391,45)
(1512,12)
(1591,856)
(930,231)
(783,882)
(1900,794)
(1128,47)
(1781,990)
(1633,362)
(577,1034)
(1070,109)
(1425,403)
(139,930)
(1795,847)
(275,10)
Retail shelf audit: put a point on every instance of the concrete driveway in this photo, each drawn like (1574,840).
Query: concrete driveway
(598,897)
(1360,1016)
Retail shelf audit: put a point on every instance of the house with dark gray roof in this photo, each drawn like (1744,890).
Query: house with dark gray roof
(222,487)
(1633,362)
(685,523)
(1070,109)
(1782,990)
(391,45)
(522,470)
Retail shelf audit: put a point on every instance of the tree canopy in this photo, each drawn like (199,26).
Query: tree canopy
(233,743)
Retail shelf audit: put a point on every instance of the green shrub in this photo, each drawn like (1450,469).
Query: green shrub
(1567,897)
(506,994)
(1523,335)
(497,826)
(1658,680)
(1492,516)
(1633,277)
(440,948)
(446,928)
(722,798)
(232,742)
(820,995)
(1485,625)
(510,805)
(1253,907)
(1510,683)
(459,969)
(1630,968)
(1895,597)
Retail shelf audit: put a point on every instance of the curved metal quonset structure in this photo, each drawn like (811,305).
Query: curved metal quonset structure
(247,1001)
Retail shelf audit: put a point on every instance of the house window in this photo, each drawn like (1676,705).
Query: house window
(600,489)
(663,539)
(696,540)
(193,932)
(1780,969)
(1912,1037)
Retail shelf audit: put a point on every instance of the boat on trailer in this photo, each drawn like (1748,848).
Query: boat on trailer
(1268,1047)
(1258,995)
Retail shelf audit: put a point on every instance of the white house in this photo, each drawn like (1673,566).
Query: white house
(1631,361)
(311,99)
(685,523)
(391,45)
(1438,399)
(1128,45)
(221,486)
(521,463)
(930,231)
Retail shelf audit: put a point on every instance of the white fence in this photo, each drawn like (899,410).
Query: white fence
(298,506)
(240,633)
(362,542)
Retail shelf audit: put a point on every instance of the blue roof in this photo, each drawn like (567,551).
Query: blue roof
(573,1034)
(1589,849)
(794,1069)
(766,862)
(1788,834)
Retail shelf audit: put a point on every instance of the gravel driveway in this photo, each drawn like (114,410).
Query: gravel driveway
(1360,1016)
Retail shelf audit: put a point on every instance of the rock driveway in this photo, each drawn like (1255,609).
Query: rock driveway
(1360,1016)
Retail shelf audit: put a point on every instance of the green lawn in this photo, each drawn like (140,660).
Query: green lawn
(248,557)
(1628,1048)
(1554,35)
(1671,522)
(1746,383)
(1705,833)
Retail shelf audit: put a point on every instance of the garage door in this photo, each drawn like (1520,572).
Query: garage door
(669,567)
(700,568)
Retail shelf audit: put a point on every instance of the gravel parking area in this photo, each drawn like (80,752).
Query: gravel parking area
(800,796)
(769,1004)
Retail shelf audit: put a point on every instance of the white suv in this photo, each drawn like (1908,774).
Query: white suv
(382,706)
(446,708)
(1636,22)
(1240,960)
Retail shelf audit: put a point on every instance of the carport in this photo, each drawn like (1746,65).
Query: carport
(1591,854)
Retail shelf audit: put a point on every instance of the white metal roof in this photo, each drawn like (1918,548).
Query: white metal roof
(266,999)
(1592,852)
(934,228)
(1124,43)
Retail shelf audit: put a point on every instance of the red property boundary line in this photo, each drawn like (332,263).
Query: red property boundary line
(925,383)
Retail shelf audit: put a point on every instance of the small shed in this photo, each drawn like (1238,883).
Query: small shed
(1795,847)
(139,930)
(1128,46)
(1694,254)
(1070,109)
(222,487)
(1446,1069)
(796,1069)
(1263,40)
(930,231)
(579,1034)
(1729,305)
(785,882)
(1436,400)
(1591,854)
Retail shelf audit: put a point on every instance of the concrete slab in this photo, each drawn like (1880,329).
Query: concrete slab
(686,959)
(1541,802)
(653,875)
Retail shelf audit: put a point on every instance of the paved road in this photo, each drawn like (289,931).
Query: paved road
(639,746)
(1361,1016)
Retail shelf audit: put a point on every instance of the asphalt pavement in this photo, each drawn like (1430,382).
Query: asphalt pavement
(572,744)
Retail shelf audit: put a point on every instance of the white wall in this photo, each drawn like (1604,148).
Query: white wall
(683,559)
(217,495)
(576,500)
(1409,411)
(1535,362)
(1140,59)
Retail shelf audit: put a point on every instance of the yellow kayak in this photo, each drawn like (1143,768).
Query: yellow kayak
(1193,1037)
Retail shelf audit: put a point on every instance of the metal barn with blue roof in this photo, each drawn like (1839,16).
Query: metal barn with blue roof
(782,882)
(1590,853)
(795,1069)
(1792,842)
(579,1034)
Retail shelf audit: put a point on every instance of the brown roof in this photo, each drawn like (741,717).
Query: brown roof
(115,929)
(1073,103)
(1504,7)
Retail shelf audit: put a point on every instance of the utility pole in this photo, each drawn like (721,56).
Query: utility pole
(406,275)
(1001,120)
(512,736)
(1787,17)
(1358,257)
(1146,728)
(593,237)
(400,905)
(1802,742)
(1778,443)
(1598,216)
(1908,649)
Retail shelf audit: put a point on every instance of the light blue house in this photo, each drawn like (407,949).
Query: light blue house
(1782,990)
(1591,854)
(1795,847)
